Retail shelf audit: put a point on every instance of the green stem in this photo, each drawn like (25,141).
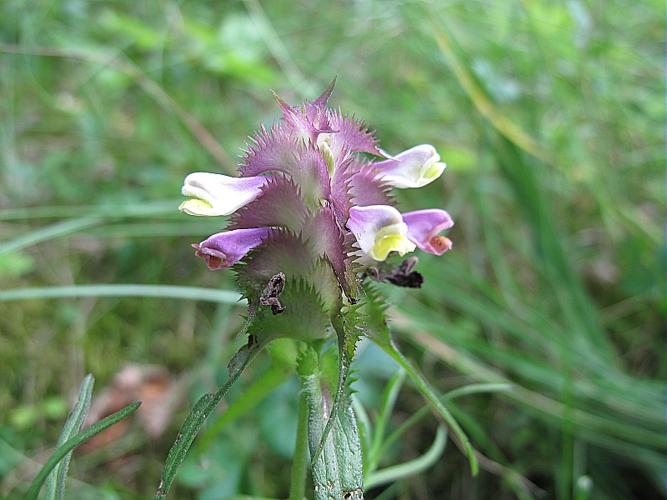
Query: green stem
(300,462)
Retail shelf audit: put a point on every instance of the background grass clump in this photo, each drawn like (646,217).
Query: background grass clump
(550,116)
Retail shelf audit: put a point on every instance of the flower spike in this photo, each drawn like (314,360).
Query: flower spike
(423,229)
(216,194)
(227,248)
(414,168)
(379,230)
(314,202)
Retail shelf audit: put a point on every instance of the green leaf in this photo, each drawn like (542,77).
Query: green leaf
(364,426)
(413,467)
(198,415)
(326,478)
(432,398)
(106,211)
(157,291)
(48,233)
(348,452)
(73,442)
(338,469)
(348,329)
(388,401)
(55,485)
(254,394)
(378,332)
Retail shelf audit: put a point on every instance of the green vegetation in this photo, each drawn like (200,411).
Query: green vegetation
(540,330)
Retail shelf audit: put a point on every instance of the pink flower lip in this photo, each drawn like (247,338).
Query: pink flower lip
(423,229)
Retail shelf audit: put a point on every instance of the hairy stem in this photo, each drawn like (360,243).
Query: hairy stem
(300,462)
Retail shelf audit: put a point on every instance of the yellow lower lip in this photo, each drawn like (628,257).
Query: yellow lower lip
(195,206)
(433,172)
(391,243)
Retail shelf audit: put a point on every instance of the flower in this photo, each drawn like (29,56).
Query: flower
(227,248)
(309,205)
(414,168)
(379,230)
(216,194)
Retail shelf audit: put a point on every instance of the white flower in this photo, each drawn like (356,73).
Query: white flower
(414,168)
(216,194)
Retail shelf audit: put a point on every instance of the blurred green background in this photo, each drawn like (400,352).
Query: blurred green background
(550,115)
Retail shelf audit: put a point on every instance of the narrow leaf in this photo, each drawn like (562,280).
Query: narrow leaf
(75,441)
(348,452)
(122,290)
(55,486)
(407,469)
(48,233)
(325,473)
(195,420)
(388,401)
(378,332)
(432,398)
(162,207)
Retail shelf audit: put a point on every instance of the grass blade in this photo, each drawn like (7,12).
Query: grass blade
(407,469)
(481,99)
(419,415)
(123,290)
(75,441)
(48,233)
(388,401)
(160,207)
(56,481)
(429,394)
